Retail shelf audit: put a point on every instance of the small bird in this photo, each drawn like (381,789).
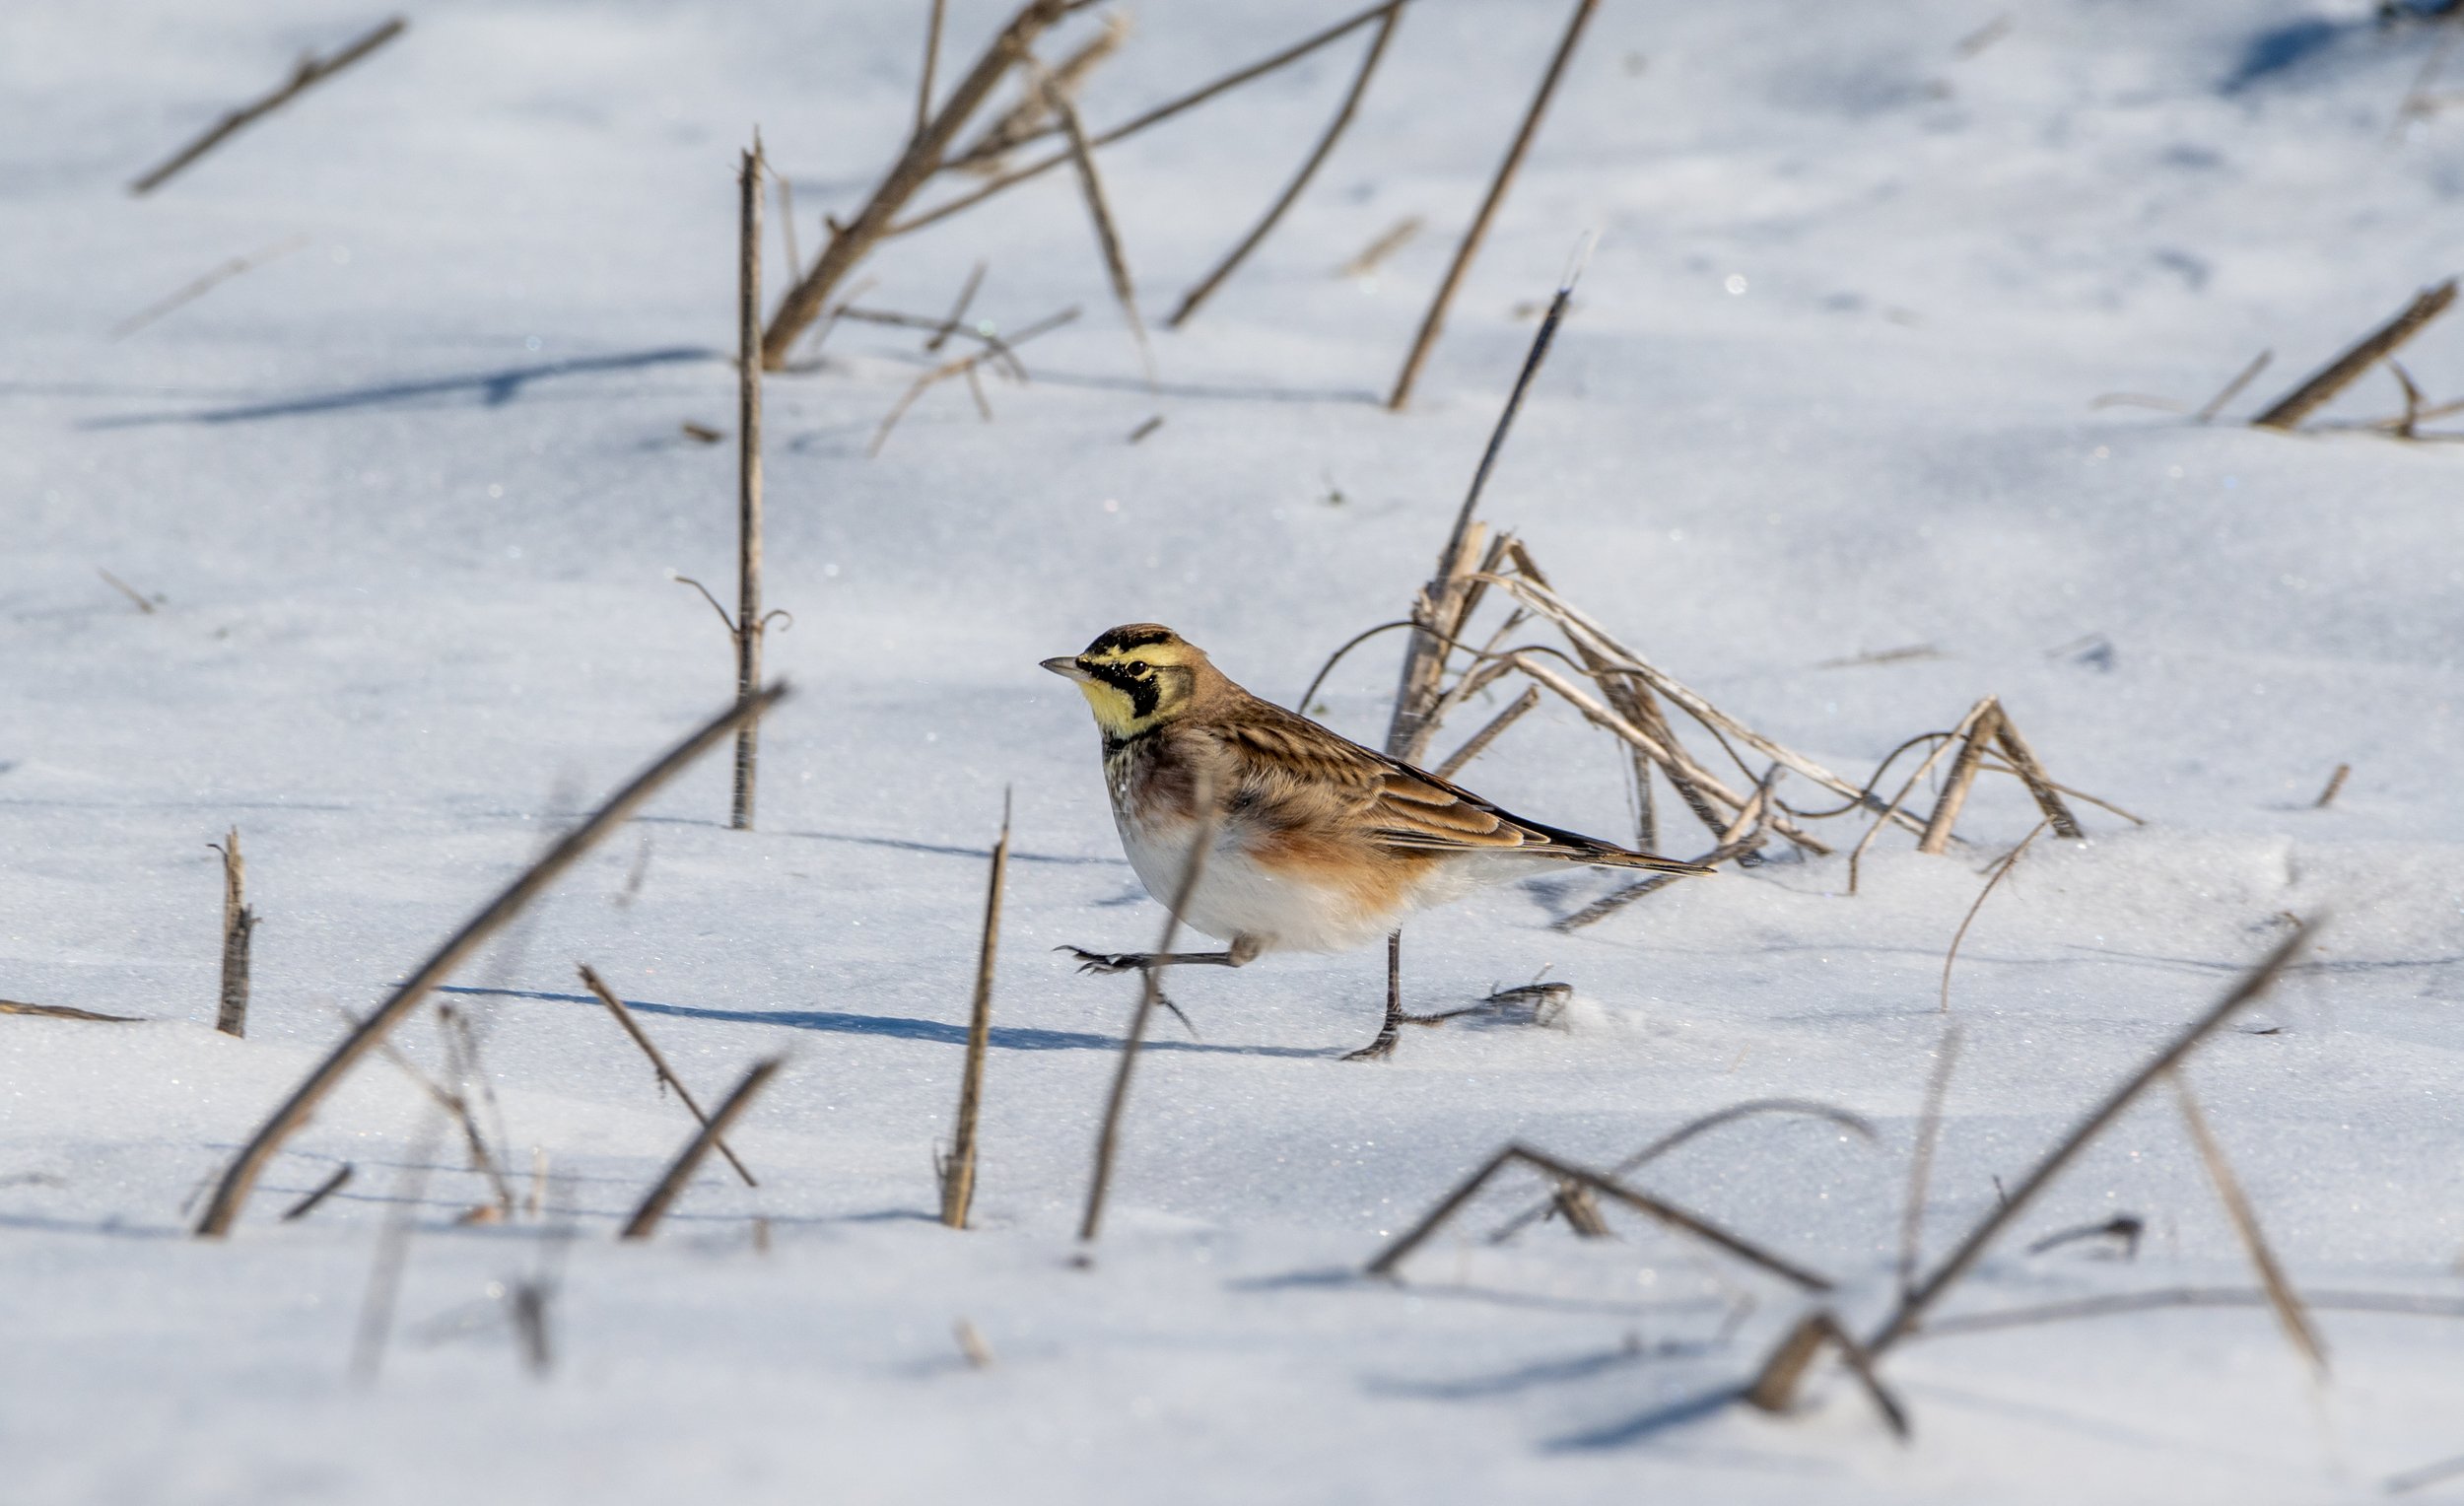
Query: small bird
(1320,843)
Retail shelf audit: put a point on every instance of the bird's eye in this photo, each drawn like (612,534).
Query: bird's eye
(1138,666)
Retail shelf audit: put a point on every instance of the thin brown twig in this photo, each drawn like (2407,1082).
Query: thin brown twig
(201,286)
(2300,1332)
(2233,389)
(1435,318)
(2009,860)
(932,64)
(1477,744)
(958,1180)
(65,1013)
(125,589)
(645,1218)
(325,1189)
(231,1195)
(659,1061)
(948,369)
(1026,120)
(2335,787)
(750,620)
(1309,167)
(2288,411)
(958,309)
(1107,235)
(2111,1304)
(311,70)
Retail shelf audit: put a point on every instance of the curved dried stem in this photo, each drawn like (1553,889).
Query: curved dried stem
(724,620)
(2001,869)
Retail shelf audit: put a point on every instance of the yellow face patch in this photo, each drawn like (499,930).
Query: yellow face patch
(1133,678)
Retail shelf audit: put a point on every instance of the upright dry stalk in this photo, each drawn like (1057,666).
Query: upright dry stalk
(1300,181)
(2295,406)
(309,70)
(2335,787)
(1634,700)
(1108,1138)
(748,624)
(922,158)
(644,1221)
(931,65)
(658,1064)
(2008,862)
(1107,235)
(239,923)
(231,1195)
(1026,120)
(2031,773)
(1962,778)
(1435,318)
(1912,1307)
(958,1179)
(1437,616)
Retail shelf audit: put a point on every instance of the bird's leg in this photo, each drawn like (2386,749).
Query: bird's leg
(1384,1046)
(1243,950)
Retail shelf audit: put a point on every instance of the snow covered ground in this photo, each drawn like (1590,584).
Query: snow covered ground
(409,497)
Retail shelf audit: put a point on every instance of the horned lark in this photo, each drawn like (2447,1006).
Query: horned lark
(1320,843)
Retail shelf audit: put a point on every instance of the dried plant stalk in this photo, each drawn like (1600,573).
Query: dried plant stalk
(2233,389)
(2281,1296)
(2295,406)
(644,1221)
(1956,737)
(200,287)
(2033,774)
(2009,859)
(922,158)
(1107,235)
(231,1195)
(748,623)
(1300,181)
(1774,1389)
(1698,1126)
(958,1180)
(1435,319)
(1910,1312)
(1150,991)
(659,1063)
(2335,787)
(1741,836)
(1962,778)
(238,923)
(1477,744)
(1565,1173)
(325,1189)
(1025,120)
(63,1012)
(932,64)
(312,70)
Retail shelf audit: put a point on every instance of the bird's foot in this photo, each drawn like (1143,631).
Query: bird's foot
(1105,962)
(1378,1050)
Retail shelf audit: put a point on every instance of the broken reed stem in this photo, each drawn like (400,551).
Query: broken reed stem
(2281,1296)
(1921,1163)
(1477,744)
(2031,773)
(1910,1312)
(1156,116)
(204,285)
(932,64)
(1956,737)
(1634,700)
(644,1221)
(1564,1173)
(1775,1387)
(125,589)
(1107,1139)
(964,365)
(1741,836)
(659,1063)
(1374,254)
(2233,389)
(1107,235)
(231,1195)
(1438,615)
(2335,787)
(922,158)
(1435,318)
(64,1012)
(2289,410)
(325,1189)
(1291,193)
(748,624)
(238,922)
(958,311)
(309,71)
(1025,119)
(1954,789)
(958,1180)
(2009,860)
(1700,1125)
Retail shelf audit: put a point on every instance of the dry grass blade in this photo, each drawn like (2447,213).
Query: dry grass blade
(1741,836)
(1692,1128)
(645,1218)
(1564,1173)
(312,70)
(2281,1296)
(232,1194)
(2335,787)
(1156,116)
(2288,411)
(238,923)
(65,1013)
(1300,181)
(1911,1310)
(958,1181)
(1150,991)
(1634,702)
(659,1063)
(125,589)
(1956,737)
(2009,860)
(1025,120)
(2232,389)
(1373,256)
(1477,744)
(957,368)
(204,285)
(1921,1163)
(958,311)
(325,1189)
(1435,319)
(2112,1304)
(921,160)
(1107,235)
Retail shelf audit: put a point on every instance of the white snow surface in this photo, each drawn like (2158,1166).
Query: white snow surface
(410,496)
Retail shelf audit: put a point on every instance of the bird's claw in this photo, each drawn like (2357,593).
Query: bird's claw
(1101,962)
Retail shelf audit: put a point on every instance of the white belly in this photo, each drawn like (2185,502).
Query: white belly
(1237,896)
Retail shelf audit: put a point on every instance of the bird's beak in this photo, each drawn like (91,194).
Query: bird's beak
(1065,665)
